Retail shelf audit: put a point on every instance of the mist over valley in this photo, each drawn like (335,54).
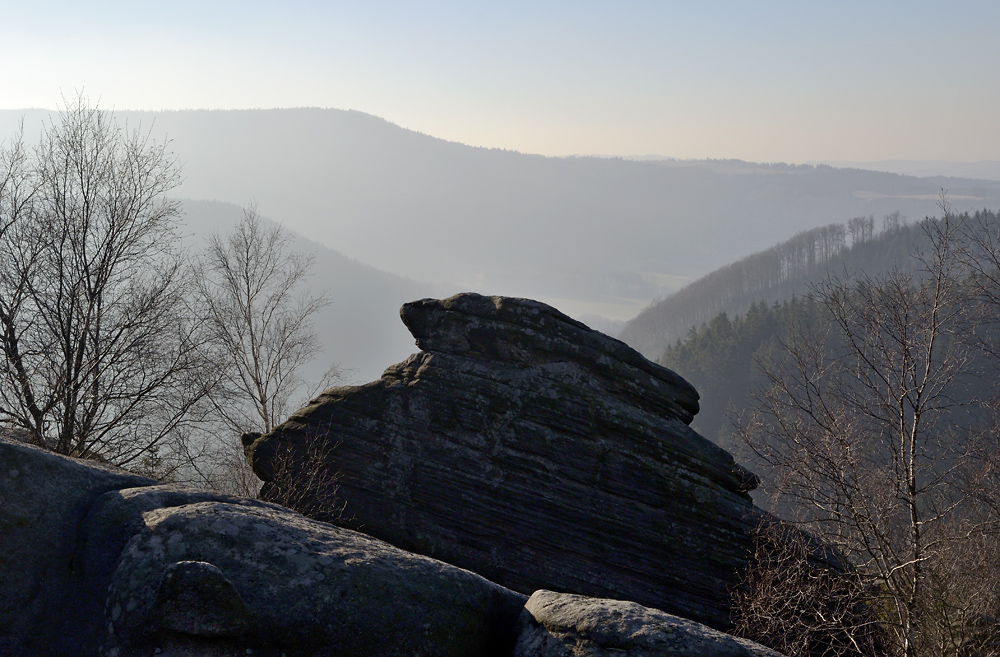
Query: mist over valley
(596,237)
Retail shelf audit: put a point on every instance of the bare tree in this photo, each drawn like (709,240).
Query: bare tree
(252,286)
(867,433)
(303,478)
(862,229)
(100,355)
(893,222)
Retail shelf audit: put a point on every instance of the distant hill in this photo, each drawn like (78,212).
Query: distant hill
(589,235)
(773,275)
(360,329)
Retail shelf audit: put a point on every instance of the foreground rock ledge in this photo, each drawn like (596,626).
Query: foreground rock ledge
(541,454)
(560,625)
(94,561)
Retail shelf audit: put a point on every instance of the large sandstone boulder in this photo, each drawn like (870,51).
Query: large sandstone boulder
(539,453)
(98,561)
(562,625)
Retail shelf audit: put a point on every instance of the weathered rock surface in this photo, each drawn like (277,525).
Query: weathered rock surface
(276,582)
(91,564)
(563,625)
(538,453)
(96,561)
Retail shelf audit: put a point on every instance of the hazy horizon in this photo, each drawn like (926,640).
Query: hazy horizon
(986,169)
(767,82)
(982,168)
(901,87)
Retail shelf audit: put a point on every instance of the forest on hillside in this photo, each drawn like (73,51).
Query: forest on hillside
(776,274)
(721,355)
(869,407)
(765,296)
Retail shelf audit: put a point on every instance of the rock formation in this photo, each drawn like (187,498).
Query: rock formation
(523,446)
(44,500)
(96,561)
(263,577)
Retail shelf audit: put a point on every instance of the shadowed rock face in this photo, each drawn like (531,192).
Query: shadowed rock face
(95,561)
(541,454)
(46,578)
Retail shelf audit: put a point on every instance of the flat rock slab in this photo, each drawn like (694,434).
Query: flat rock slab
(563,625)
(539,453)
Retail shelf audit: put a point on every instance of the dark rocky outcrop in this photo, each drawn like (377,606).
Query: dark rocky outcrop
(94,560)
(538,453)
(561,625)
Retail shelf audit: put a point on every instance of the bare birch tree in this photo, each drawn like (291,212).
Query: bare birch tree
(252,288)
(867,433)
(252,285)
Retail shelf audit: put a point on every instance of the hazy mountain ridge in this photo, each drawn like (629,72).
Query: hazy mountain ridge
(983,169)
(590,235)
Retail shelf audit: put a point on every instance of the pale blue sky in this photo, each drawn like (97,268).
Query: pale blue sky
(765,81)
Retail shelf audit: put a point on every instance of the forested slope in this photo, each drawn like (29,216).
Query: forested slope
(774,274)
(719,360)
(718,355)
